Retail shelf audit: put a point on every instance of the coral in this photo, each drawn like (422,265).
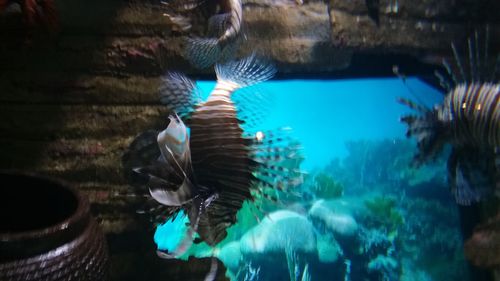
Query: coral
(374,241)
(386,164)
(334,217)
(431,238)
(329,250)
(230,255)
(326,187)
(383,212)
(294,264)
(483,248)
(383,264)
(277,232)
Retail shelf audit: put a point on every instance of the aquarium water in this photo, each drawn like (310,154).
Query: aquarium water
(363,211)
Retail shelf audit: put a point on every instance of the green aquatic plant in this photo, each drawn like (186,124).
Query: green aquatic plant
(383,210)
(246,218)
(324,186)
(294,265)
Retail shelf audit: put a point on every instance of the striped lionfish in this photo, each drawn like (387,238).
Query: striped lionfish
(469,120)
(223,30)
(205,175)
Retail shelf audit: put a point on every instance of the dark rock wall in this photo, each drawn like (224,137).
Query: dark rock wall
(72,99)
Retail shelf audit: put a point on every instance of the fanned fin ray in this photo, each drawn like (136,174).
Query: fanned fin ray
(253,106)
(179,93)
(202,52)
(217,24)
(170,175)
(429,131)
(205,52)
(245,72)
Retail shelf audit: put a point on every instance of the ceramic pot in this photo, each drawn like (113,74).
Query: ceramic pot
(47,232)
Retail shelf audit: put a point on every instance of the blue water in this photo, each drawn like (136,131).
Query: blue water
(362,212)
(324,114)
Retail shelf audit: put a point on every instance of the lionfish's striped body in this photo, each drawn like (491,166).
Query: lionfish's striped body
(469,120)
(210,173)
(474,114)
(221,158)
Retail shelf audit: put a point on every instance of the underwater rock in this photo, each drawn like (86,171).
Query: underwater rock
(483,248)
(329,249)
(277,232)
(230,255)
(335,216)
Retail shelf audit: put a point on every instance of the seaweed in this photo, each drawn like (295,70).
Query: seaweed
(326,187)
(384,213)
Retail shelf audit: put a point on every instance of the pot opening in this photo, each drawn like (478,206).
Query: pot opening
(30,203)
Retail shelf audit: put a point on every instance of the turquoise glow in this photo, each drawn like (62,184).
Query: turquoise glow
(169,235)
(324,114)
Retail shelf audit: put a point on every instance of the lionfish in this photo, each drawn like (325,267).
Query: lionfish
(223,32)
(468,119)
(204,174)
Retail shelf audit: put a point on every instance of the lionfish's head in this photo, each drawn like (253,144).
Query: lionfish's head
(175,136)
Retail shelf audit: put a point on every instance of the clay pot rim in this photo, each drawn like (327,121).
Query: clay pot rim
(80,213)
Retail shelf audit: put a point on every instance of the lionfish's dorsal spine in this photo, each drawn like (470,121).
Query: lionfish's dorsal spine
(472,62)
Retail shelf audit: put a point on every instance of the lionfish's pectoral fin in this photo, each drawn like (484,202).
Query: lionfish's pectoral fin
(141,152)
(430,132)
(170,179)
(217,24)
(471,174)
(174,143)
(202,52)
(179,93)
(177,197)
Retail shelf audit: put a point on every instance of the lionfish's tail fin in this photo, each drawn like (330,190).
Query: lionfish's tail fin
(179,93)
(245,72)
(471,174)
(203,52)
(428,130)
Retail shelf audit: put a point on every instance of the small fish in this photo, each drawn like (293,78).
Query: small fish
(468,120)
(205,174)
(224,30)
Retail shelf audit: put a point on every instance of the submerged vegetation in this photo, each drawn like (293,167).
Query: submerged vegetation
(382,211)
(326,187)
